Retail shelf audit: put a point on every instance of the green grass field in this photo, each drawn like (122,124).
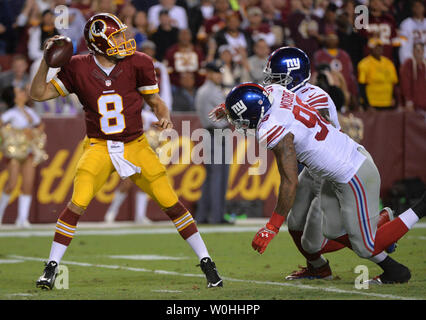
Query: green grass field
(95,271)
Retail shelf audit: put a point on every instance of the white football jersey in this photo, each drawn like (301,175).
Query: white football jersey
(318,99)
(413,30)
(327,152)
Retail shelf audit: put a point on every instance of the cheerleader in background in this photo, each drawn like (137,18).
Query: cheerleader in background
(22,135)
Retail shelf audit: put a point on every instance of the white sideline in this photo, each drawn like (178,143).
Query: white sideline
(86,230)
(282,284)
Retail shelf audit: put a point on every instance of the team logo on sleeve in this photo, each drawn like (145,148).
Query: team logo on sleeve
(239,108)
(292,64)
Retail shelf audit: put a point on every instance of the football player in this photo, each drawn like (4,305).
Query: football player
(295,131)
(290,67)
(111,83)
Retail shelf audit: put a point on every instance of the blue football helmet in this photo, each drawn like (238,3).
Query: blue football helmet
(246,104)
(289,67)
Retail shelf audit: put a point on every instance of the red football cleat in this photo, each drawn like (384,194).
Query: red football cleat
(311,273)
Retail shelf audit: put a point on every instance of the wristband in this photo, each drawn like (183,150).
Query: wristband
(276,221)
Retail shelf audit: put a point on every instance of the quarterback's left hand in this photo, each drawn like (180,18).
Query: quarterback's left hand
(163,124)
(263,237)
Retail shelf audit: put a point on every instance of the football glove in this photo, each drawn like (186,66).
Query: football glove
(267,233)
(218,113)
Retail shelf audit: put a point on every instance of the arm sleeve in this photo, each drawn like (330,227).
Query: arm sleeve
(145,75)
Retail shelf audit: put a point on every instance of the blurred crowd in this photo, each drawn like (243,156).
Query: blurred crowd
(381,67)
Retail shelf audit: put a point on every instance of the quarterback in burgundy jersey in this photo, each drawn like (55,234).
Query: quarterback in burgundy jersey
(111,83)
(110,101)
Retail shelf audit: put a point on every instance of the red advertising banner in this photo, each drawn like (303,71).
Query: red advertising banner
(395,140)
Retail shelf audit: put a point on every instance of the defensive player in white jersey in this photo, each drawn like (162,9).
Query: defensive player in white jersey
(291,68)
(294,131)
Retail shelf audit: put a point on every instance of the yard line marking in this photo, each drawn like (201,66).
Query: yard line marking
(133,231)
(416,237)
(146,257)
(167,291)
(282,284)
(19,294)
(6,261)
(120,232)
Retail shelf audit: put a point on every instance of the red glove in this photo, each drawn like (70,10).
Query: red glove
(267,233)
(218,113)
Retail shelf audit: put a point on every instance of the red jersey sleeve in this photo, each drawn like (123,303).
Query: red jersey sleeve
(146,79)
(64,79)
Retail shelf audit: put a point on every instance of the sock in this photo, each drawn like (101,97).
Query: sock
(321,261)
(65,228)
(378,257)
(116,203)
(57,251)
(4,201)
(331,246)
(197,244)
(24,205)
(182,219)
(140,206)
(297,238)
(409,217)
(391,232)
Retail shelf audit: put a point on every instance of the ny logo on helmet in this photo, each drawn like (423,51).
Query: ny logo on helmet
(239,108)
(293,64)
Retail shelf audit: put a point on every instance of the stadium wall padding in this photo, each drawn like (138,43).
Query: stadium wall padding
(396,140)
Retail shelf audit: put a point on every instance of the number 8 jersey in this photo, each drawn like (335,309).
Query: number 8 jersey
(112,102)
(327,152)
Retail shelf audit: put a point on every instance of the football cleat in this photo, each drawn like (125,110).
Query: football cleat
(212,276)
(402,275)
(47,279)
(311,273)
(387,215)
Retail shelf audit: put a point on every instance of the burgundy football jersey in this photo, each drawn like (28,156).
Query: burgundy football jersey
(112,103)
(382,27)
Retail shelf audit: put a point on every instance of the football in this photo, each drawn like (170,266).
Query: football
(58,52)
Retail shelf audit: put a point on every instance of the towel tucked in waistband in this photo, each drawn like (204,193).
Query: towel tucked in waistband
(123,167)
